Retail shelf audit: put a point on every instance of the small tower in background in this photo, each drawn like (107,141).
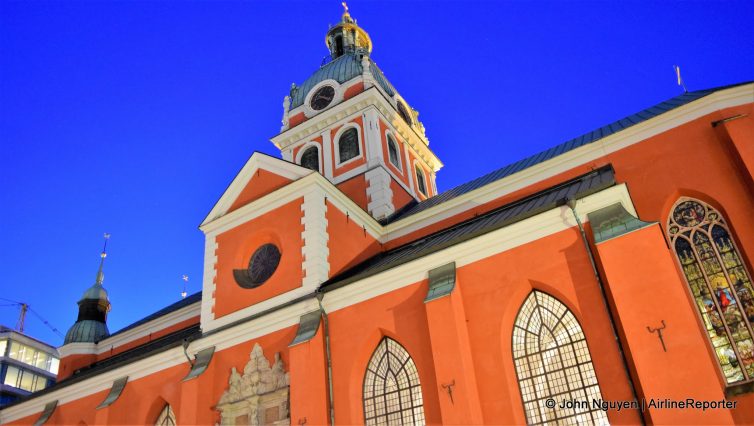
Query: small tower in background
(91,324)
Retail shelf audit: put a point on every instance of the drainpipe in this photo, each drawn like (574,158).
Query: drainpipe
(570,202)
(329,359)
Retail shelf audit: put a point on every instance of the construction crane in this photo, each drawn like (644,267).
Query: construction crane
(24,308)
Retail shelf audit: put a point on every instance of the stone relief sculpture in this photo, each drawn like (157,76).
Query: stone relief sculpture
(259,396)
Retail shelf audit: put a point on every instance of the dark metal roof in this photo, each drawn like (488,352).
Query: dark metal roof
(341,69)
(550,198)
(564,147)
(189,300)
(140,352)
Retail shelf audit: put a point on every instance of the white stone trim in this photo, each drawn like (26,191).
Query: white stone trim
(285,195)
(533,228)
(144,330)
(498,241)
(309,112)
(77,348)
(717,101)
(379,193)
(336,144)
(243,333)
(371,98)
(373,139)
(208,280)
(256,161)
(315,253)
(306,146)
(327,157)
(410,178)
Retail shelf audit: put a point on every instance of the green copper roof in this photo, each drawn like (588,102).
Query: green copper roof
(341,69)
(89,331)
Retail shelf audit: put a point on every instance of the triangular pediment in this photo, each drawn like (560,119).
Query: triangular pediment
(261,175)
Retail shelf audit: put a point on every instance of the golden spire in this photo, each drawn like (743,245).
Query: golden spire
(346,16)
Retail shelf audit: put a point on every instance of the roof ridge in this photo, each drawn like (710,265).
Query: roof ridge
(561,148)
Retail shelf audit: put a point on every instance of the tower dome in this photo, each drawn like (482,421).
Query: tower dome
(347,37)
(91,324)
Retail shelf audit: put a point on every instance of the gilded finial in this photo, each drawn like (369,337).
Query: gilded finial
(346,16)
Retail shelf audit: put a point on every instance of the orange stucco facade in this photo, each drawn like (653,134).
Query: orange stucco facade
(356,262)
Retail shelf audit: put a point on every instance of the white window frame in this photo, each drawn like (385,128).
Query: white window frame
(424,175)
(304,147)
(336,144)
(390,135)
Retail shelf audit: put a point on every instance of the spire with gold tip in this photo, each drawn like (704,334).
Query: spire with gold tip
(91,324)
(347,37)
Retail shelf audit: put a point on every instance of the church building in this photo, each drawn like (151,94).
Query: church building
(605,280)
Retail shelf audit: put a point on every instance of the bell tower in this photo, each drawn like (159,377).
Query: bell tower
(347,122)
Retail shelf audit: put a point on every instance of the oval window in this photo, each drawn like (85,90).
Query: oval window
(262,265)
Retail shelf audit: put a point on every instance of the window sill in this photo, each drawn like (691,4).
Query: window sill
(739,389)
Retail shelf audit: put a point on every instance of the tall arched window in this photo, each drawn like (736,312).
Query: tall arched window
(553,362)
(392,151)
(392,392)
(166,418)
(420,180)
(310,158)
(719,282)
(348,145)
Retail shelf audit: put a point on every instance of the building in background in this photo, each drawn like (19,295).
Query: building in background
(340,288)
(26,365)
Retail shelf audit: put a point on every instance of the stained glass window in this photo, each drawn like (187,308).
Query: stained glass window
(392,150)
(392,392)
(348,145)
(553,362)
(310,158)
(166,418)
(420,181)
(719,282)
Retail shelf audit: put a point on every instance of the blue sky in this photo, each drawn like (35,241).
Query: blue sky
(132,117)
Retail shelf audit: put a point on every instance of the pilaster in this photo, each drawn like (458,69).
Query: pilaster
(647,293)
(208,280)
(316,267)
(327,166)
(741,133)
(373,138)
(451,354)
(308,378)
(379,193)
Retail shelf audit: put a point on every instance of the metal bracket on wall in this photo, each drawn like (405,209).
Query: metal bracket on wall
(449,388)
(658,330)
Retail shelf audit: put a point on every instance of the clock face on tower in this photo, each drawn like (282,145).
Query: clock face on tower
(322,98)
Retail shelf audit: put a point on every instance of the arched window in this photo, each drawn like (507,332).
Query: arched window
(553,362)
(348,145)
(392,152)
(420,180)
(166,418)
(310,158)
(719,282)
(392,392)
